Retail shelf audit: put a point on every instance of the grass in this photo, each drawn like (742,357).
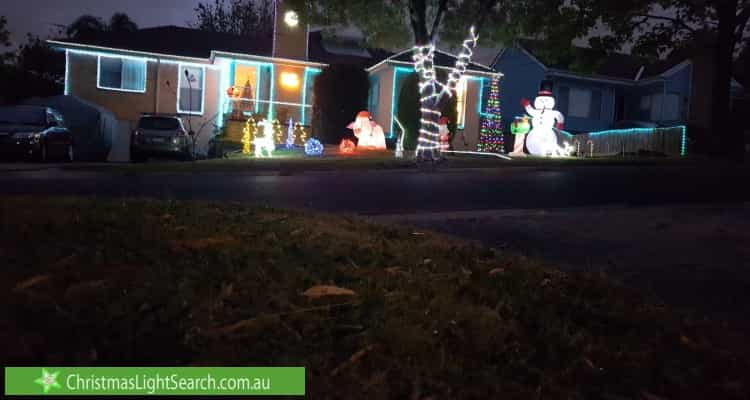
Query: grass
(114,282)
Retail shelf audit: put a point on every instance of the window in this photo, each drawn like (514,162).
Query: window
(461,102)
(374,95)
(665,108)
(125,74)
(190,91)
(245,81)
(579,103)
(584,103)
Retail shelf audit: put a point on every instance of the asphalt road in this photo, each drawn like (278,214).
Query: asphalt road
(408,191)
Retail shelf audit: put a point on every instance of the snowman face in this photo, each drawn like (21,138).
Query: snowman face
(544,102)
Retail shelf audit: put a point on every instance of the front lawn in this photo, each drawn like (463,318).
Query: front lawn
(418,315)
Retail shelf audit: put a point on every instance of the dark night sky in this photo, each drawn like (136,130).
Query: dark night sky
(39,16)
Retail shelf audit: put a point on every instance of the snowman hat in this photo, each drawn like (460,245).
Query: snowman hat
(443,121)
(363,114)
(545,88)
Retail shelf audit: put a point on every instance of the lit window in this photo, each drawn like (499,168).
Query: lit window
(190,91)
(461,102)
(125,74)
(289,80)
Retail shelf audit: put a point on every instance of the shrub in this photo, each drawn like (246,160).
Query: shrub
(340,92)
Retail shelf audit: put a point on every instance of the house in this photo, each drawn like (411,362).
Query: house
(216,80)
(388,77)
(201,76)
(595,91)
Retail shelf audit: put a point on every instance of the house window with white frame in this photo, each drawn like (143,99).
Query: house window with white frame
(120,73)
(579,103)
(584,103)
(191,88)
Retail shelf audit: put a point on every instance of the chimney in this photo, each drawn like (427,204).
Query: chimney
(290,31)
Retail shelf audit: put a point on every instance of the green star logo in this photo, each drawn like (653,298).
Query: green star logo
(48,380)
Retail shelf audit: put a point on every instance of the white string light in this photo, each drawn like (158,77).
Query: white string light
(431,90)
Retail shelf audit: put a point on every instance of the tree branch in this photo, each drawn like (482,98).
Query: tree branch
(443,5)
(673,20)
(741,22)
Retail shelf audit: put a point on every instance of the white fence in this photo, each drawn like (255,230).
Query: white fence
(671,141)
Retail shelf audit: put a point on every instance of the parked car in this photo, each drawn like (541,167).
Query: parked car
(34,132)
(159,136)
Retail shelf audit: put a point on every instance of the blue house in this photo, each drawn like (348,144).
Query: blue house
(597,91)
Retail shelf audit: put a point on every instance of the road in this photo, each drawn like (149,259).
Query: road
(408,191)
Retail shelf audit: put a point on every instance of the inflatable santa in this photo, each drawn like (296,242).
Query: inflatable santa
(542,140)
(369,133)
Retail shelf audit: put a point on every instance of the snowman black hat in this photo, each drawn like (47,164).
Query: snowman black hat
(545,88)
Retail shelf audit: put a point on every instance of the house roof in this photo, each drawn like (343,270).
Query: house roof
(442,60)
(179,41)
(588,61)
(195,43)
(341,51)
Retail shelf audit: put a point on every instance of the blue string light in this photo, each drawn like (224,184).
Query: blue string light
(313,148)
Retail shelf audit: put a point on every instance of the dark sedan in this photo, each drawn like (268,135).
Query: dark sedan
(34,132)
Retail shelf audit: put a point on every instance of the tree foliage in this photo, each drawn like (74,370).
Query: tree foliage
(87,27)
(238,17)
(4,38)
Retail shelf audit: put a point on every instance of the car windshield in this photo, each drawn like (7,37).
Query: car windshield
(23,115)
(159,123)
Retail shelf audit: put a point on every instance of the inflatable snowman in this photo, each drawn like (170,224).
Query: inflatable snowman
(542,140)
(367,131)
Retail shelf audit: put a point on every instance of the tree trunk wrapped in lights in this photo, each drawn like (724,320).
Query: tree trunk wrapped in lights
(431,92)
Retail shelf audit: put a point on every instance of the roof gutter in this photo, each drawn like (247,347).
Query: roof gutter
(275,60)
(468,70)
(132,53)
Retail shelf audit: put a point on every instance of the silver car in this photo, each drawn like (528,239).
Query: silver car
(159,136)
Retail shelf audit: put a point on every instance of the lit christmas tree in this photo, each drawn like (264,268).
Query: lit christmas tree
(491,133)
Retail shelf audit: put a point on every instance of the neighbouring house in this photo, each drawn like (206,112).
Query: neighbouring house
(597,91)
(388,76)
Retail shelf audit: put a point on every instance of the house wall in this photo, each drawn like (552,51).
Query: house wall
(522,77)
(466,139)
(679,83)
(160,95)
(286,94)
(382,113)
(606,106)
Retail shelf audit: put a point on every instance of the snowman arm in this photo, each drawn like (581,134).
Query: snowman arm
(560,118)
(531,111)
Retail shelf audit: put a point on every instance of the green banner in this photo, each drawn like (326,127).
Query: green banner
(172,381)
